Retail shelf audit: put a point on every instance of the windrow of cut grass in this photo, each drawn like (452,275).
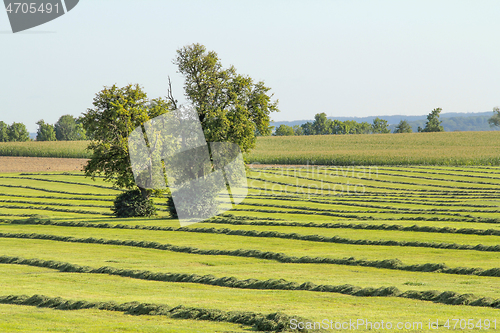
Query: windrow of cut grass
(281,284)
(363,239)
(253,223)
(244,268)
(308,301)
(275,322)
(277,237)
(377,183)
(21,318)
(268,255)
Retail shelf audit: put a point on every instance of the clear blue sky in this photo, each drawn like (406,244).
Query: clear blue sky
(344,58)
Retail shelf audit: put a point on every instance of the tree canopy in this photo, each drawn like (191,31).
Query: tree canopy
(322,126)
(403,127)
(68,128)
(433,123)
(495,119)
(284,130)
(45,132)
(115,114)
(4,133)
(17,132)
(380,126)
(231,107)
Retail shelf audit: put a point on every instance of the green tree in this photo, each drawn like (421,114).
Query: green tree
(18,132)
(495,119)
(115,114)
(231,107)
(69,129)
(338,127)
(284,130)
(45,132)
(322,125)
(297,130)
(403,127)
(364,128)
(433,123)
(348,126)
(307,128)
(379,126)
(4,133)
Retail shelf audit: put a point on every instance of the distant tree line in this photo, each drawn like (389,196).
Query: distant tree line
(67,128)
(16,132)
(495,119)
(324,126)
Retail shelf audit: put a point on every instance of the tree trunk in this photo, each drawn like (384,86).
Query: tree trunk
(145,193)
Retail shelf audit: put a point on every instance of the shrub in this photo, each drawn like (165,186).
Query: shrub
(132,204)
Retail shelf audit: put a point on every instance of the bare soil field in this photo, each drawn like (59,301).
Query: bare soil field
(40,164)
(48,164)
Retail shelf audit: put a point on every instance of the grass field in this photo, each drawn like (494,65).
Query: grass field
(445,148)
(398,244)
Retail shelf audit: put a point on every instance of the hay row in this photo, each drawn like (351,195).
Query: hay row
(395,264)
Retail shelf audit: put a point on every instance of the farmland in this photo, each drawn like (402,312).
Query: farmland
(393,243)
(444,148)
(441,148)
(66,149)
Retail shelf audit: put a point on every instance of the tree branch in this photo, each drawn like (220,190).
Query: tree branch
(170,96)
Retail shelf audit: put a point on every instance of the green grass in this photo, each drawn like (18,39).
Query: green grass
(438,198)
(30,319)
(302,303)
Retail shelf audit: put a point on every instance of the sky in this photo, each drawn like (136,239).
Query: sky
(344,58)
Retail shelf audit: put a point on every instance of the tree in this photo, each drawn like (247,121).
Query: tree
(307,128)
(18,132)
(297,130)
(116,113)
(403,127)
(363,128)
(338,127)
(495,119)
(45,132)
(69,129)
(380,126)
(433,123)
(348,126)
(284,130)
(4,134)
(231,107)
(322,125)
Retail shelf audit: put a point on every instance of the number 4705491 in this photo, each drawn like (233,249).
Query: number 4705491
(485,324)
(25,8)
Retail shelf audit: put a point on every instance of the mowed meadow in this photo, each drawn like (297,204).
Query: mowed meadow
(402,244)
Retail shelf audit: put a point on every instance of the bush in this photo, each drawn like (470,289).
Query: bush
(132,204)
